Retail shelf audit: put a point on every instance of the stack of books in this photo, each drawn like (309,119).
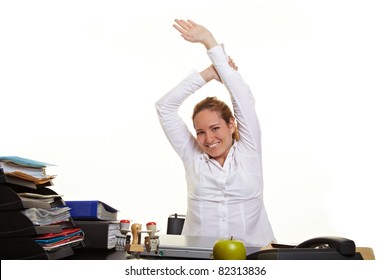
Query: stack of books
(35,222)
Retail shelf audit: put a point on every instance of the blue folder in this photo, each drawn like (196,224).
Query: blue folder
(91,210)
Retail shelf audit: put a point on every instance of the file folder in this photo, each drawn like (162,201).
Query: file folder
(91,210)
(99,234)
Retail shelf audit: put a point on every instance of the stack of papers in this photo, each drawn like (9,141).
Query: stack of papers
(34,200)
(26,169)
(68,237)
(99,234)
(44,217)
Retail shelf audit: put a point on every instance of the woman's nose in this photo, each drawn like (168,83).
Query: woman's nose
(209,137)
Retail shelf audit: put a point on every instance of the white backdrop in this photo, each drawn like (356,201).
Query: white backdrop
(79,79)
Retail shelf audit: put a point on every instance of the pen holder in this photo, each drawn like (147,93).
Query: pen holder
(175,224)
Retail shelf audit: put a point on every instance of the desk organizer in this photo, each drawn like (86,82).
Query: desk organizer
(17,231)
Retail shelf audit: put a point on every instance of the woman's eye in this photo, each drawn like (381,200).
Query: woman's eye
(199,132)
(215,128)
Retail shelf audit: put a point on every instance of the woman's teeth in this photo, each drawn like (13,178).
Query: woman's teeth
(212,145)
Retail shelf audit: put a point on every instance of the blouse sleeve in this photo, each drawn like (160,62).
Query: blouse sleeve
(242,100)
(177,132)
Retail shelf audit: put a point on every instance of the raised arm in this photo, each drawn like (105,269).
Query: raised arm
(242,99)
(168,106)
(178,134)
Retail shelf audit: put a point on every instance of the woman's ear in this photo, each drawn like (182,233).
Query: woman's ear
(232,125)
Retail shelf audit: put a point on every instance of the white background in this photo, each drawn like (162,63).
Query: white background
(79,79)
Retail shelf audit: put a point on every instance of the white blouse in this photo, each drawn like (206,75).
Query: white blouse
(222,201)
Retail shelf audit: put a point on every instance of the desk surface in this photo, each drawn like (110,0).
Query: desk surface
(102,254)
(98,254)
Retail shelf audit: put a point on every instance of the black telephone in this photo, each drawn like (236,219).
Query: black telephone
(319,248)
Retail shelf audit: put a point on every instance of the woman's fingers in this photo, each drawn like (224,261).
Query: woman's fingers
(232,64)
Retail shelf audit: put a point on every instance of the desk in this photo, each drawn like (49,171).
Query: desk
(102,254)
(98,254)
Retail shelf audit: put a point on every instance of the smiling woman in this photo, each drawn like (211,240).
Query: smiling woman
(223,171)
(215,128)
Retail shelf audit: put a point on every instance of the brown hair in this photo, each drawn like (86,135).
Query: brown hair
(213,104)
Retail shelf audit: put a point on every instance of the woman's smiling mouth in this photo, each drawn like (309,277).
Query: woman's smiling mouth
(212,145)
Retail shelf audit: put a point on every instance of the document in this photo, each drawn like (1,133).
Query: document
(42,217)
(68,237)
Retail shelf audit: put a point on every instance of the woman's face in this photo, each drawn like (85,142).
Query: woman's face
(214,135)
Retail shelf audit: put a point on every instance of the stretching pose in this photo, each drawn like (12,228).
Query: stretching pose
(223,163)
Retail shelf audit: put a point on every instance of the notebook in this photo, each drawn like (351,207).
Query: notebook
(187,247)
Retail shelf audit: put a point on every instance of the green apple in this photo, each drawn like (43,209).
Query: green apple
(229,249)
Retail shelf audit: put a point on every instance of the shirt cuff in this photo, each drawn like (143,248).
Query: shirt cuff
(195,80)
(218,55)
